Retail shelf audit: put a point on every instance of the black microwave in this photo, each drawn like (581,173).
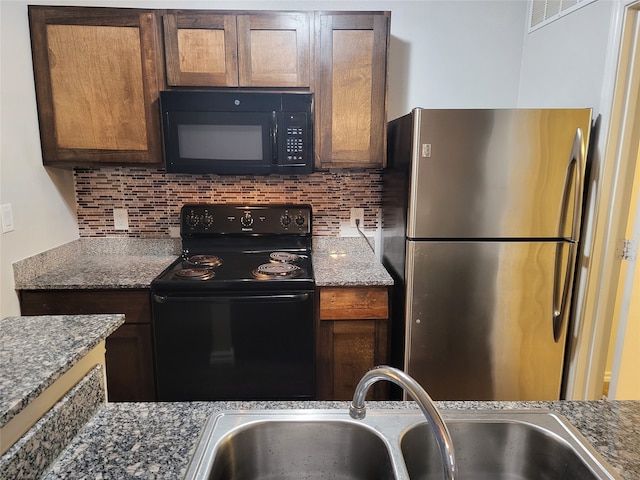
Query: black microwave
(254,133)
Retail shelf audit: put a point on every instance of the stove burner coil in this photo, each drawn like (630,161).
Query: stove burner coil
(205,260)
(195,273)
(276,270)
(283,257)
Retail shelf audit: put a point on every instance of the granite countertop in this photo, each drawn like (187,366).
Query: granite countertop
(157,440)
(347,261)
(36,351)
(92,263)
(118,271)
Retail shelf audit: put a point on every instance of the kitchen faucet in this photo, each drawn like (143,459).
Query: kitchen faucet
(358,410)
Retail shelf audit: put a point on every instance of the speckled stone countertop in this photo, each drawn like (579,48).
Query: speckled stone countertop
(90,263)
(36,351)
(347,261)
(129,271)
(156,441)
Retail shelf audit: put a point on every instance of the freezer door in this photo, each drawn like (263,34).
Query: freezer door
(497,173)
(479,319)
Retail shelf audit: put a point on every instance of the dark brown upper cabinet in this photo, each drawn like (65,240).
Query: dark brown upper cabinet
(351,90)
(266,49)
(97,80)
(98,72)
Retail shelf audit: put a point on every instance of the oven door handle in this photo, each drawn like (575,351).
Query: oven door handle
(293,297)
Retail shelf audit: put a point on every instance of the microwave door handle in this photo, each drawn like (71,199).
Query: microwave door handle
(274,138)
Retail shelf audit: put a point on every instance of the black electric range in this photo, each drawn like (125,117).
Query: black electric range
(233,316)
(239,247)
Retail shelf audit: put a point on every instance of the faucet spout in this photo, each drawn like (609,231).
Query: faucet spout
(358,410)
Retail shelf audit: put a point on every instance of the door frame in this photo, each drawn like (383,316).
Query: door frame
(621,92)
(625,337)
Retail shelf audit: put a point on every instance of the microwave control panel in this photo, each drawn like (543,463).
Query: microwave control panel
(297,141)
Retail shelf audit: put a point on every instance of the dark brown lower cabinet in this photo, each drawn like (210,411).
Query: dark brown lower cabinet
(353,337)
(129,356)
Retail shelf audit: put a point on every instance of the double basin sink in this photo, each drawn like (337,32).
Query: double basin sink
(392,444)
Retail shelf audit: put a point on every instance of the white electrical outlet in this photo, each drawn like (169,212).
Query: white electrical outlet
(7,218)
(357,214)
(120,219)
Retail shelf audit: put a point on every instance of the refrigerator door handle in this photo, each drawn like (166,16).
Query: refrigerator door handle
(573,182)
(561,290)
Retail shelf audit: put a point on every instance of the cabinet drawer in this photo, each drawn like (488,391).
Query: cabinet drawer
(352,303)
(135,304)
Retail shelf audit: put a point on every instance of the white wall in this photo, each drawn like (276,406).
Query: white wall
(455,54)
(43,200)
(563,63)
(445,53)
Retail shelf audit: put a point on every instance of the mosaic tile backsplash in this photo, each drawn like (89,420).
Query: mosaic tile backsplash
(153,198)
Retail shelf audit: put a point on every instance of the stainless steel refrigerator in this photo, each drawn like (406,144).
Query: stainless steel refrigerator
(481,223)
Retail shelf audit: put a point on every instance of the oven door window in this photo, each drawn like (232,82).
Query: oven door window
(219,142)
(250,347)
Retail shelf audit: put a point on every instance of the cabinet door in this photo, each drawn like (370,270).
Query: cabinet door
(352,89)
(96,78)
(347,350)
(352,338)
(274,49)
(201,49)
(129,361)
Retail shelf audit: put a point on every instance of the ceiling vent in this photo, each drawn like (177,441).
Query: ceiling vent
(543,12)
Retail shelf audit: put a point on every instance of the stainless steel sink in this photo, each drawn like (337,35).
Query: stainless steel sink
(506,447)
(391,444)
(302,449)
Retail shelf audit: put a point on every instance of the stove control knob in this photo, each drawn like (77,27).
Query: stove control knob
(285,220)
(207,220)
(300,220)
(246,220)
(192,219)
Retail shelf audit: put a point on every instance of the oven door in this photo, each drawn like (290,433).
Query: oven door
(245,346)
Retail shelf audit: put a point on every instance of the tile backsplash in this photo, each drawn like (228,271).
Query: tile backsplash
(153,198)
